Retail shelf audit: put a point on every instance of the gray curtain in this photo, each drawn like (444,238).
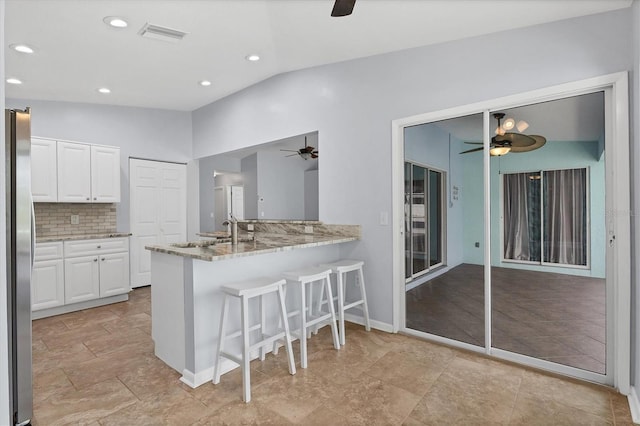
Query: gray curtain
(516,217)
(565,216)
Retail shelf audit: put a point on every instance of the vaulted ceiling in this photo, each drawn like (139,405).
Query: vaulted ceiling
(76,52)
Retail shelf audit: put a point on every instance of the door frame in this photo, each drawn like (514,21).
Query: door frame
(618,219)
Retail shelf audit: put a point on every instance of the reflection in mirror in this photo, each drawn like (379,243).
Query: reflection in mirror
(444,230)
(276,180)
(548,236)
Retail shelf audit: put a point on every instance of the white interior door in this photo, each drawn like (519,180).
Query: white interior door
(237,201)
(158,211)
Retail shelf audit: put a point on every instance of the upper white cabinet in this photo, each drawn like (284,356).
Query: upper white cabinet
(87,173)
(74,172)
(44,170)
(105,174)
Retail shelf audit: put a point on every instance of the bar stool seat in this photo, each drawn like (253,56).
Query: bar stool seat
(244,291)
(341,268)
(304,278)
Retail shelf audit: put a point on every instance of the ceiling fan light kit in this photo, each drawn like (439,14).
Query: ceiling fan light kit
(305,153)
(505,141)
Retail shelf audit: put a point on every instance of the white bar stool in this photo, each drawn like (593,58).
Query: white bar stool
(308,318)
(341,268)
(244,291)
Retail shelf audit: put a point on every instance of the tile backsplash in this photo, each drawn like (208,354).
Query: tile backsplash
(54,219)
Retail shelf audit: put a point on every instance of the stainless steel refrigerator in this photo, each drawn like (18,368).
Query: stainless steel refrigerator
(20,250)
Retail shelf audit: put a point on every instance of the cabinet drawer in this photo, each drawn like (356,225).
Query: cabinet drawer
(98,246)
(48,251)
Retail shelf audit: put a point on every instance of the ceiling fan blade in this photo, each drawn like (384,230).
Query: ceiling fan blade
(474,143)
(343,7)
(472,150)
(292,155)
(517,139)
(290,150)
(539,143)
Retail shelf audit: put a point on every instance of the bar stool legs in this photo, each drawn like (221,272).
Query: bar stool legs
(341,268)
(308,317)
(245,291)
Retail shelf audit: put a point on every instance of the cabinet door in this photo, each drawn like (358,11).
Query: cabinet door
(47,284)
(44,170)
(74,172)
(105,174)
(81,279)
(114,274)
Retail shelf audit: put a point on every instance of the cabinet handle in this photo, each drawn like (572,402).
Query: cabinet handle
(98,246)
(88,198)
(95,198)
(95,260)
(103,259)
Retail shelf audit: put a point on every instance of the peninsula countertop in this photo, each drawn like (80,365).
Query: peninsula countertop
(261,244)
(88,236)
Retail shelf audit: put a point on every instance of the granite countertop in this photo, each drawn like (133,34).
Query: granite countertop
(93,236)
(263,243)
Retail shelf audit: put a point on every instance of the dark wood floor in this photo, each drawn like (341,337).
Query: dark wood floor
(555,317)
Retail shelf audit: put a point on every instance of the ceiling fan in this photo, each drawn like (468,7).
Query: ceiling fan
(504,141)
(343,8)
(306,152)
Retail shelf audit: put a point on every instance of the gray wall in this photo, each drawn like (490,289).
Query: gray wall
(311,206)
(249,169)
(635,195)
(352,104)
(5,416)
(281,185)
(139,132)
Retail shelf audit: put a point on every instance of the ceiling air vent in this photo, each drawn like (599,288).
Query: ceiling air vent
(161,33)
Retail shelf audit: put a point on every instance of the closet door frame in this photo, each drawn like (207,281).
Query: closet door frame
(618,220)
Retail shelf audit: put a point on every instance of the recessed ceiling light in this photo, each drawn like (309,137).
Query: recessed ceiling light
(104,90)
(115,22)
(22,48)
(13,81)
(252,57)
(205,83)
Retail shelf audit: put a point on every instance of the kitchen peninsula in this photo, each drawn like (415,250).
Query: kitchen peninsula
(186,300)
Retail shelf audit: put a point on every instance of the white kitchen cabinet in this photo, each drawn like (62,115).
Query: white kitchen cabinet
(96,268)
(88,173)
(74,172)
(47,279)
(114,274)
(105,174)
(81,279)
(44,170)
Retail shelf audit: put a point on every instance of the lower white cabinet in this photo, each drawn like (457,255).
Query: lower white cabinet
(81,279)
(78,271)
(47,279)
(96,268)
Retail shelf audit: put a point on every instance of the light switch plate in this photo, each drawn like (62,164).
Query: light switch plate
(308,229)
(384,218)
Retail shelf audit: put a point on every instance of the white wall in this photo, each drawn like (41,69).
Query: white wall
(352,104)
(5,411)
(139,132)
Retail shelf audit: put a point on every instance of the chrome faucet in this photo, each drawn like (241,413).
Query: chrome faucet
(234,228)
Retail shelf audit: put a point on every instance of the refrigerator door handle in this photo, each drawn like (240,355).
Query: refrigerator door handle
(33,232)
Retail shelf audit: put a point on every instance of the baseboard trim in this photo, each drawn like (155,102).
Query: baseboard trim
(378,325)
(65,309)
(634,405)
(194,380)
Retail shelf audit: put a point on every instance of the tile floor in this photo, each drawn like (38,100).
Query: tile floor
(96,367)
(555,317)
